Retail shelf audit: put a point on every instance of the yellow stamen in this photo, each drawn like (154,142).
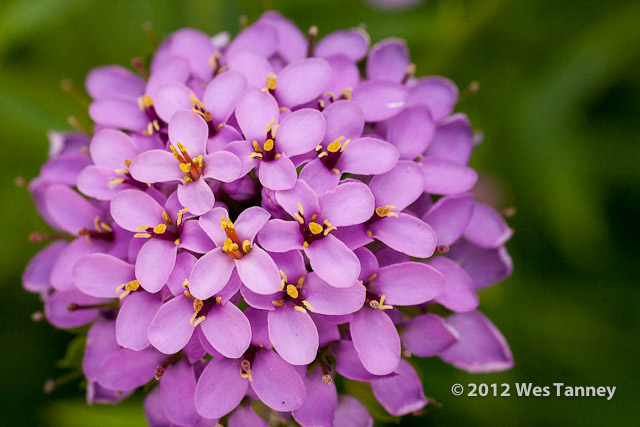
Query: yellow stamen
(268,145)
(115,181)
(344,145)
(256,147)
(148,102)
(185,284)
(314,217)
(166,218)
(292,291)
(274,130)
(127,162)
(175,152)
(160,228)
(300,309)
(300,282)
(336,171)
(383,211)
(255,155)
(271,81)
(188,294)
(181,147)
(278,303)
(329,229)
(195,101)
(199,320)
(188,179)
(306,304)
(373,276)
(246,246)
(315,228)
(125,171)
(323,154)
(106,227)
(229,245)
(128,288)
(185,167)
(142,235)
(284,276)
(318,147)
(246,375)
(176,242)
(143,227)
(369,233)
(277,156)
(305,245)
(299,218)
(300,209)
(270,125)
(181,213)
(335,145)
(96,224)
(283,108)
(382,305)
(346,93)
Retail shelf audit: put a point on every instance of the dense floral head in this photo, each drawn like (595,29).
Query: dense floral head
(255,223)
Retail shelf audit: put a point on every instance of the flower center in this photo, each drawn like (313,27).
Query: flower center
(166,230)
(156,124)
(373,300)
(293,293)
(102,231)
(233,246)
(192,167)
(199,108)
(313,230)
(267,151)
(331,155)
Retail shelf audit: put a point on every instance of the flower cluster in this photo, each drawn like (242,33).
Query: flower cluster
(254,223)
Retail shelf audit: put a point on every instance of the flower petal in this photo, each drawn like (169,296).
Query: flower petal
(61,277)
(156,166)
(333,262)
(276,382)
(135,316)
(408,283)
(437,93)
(302,81)
(368,156)
(252,66)
(101,344)
(351,43)
(485,266)
(220,388)
(154,264)
(301,194)
(278,235)
(300,132)
(428,335)
(278,174)
(402,394)
(348,363)
(222,166)
(57,313)
(258,272)
(170,329)
(38,271)
(399,187)
(319,407)
(177,388)
(222,93)
(459,293)
(326,299)
(293,334)
(376,340)
(227,329)
(255,110)
(196,196)
(487,228)
(118,114)
(259,328)
(481,347)
(113,81)
(70,211)
(351,413)
(132,209)
(380,100)
(110,148)
(170,98)
(406,234)
(453,139)
(449,217)
(128,369)
(99,275)
(343,119)
(411,131)
(190,130)
(388,60)
(210,274)
(318,177)
(348,204)
(250,222)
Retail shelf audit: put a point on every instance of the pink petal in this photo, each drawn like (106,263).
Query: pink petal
(388,60)
(406,234)
(276,382)
(293,334)
(333,262)
(449,217)
(220,388)
(196,196)
(132,209)
(228,330)
(258,272)
(351,43)
(459,292)
(156,166)
(408,283)
(376,340)
(380,100)
(210,274)
(300,132)
(190,130)
(170,329)
(442,176)
(135,316)
(348,204)
(255,110)
(154,264)
(99,275)
(302,81)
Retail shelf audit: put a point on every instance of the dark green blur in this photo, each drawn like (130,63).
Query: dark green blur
(559,105)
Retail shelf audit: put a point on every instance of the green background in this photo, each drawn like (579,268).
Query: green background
(559,105)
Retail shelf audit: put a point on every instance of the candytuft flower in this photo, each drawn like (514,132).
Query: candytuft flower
(253,225)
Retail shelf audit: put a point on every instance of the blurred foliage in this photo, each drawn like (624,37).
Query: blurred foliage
(559,105)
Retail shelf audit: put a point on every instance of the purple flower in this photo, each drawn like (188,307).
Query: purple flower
(353,224)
